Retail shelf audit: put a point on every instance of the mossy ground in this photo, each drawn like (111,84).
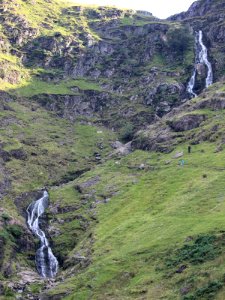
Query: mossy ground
(155,211)
(63,87)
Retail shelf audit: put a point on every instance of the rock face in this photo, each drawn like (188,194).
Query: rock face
(208,16)
(190,123)
(128,77)
(214,103)
(187,122)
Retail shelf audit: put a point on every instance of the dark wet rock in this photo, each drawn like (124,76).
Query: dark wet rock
(5,156)
(181,269)
(187,122)
(5,183)
(25,242)
(25,199)
(18,154)
(5,97)
(2,289)
(97,156)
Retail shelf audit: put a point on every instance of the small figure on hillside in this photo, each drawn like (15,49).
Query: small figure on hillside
(189,149)
(182,162)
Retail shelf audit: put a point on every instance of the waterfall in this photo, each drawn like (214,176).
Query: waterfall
(191,84)
(46,262)
(201,57)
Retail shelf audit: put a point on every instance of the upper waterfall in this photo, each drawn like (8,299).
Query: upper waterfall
(201,57)
(46,262)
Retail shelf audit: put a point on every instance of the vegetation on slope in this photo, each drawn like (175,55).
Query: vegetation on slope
(146,225)
(143,230)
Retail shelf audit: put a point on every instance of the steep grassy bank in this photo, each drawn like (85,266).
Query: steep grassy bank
(139,239)
(158,226)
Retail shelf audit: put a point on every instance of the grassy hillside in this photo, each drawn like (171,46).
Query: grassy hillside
(158,227)
(143,220)
(163,218)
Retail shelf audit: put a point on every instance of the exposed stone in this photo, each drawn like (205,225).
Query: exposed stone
(18,154)
(122,149)
(185,290)
(181,269)
(178,155)
(214,103)
(187,122)
(87,184)
(141,167)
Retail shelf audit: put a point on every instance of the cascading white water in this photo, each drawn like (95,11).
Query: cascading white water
(191,84)
(201,57)
(46,262)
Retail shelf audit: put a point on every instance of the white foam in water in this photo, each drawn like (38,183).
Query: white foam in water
(46,262)
(201,57)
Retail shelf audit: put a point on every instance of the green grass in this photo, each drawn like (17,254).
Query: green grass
(35,87)
(9,57)
(134,21)
(137,226)
(52,141)
(156,210)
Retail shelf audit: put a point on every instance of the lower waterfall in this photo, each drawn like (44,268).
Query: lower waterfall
(191,84)
(46,262)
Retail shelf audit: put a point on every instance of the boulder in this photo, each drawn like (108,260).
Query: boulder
(121,149)
(178,155)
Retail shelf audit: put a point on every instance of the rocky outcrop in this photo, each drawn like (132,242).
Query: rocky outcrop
(23,200)
(217,102)
(187,122)
(23,31)
(86,104)
(121,149)
(158,137)
(165,96)
(208,15)
(87,184)
(197,9)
